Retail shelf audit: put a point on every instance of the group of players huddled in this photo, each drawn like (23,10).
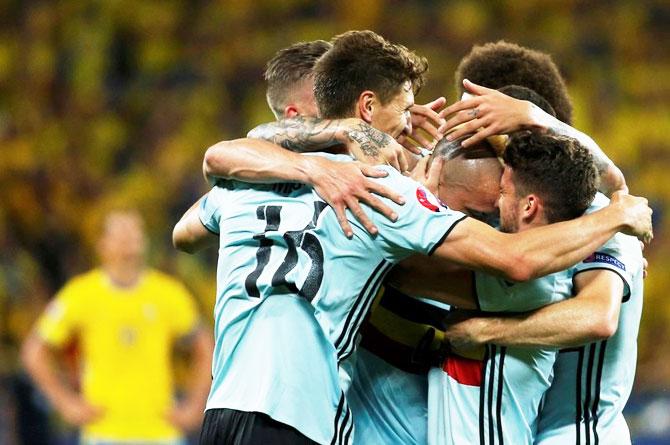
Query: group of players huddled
(434,274)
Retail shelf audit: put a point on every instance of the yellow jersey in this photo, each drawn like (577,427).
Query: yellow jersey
(126,337)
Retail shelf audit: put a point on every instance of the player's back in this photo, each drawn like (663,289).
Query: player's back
(292,292)
(261,228)
(592,383)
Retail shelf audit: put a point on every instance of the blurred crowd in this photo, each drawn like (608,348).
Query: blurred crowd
(114,103)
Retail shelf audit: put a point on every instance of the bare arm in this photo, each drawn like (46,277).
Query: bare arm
(497,113)
(304,134)
(434,279)
(343,185)
(542,250)
(39,361)
(611,177)
(592,315)
(354,136)
(255,160)
(190,235)
(187,415)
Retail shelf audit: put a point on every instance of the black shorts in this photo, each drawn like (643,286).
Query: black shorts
(232,427)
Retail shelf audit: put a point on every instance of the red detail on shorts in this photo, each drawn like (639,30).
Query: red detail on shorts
(465,371)
(422,196)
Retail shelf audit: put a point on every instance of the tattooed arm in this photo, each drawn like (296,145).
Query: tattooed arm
(302,134)
(497,113)
(343,185)
(307,134)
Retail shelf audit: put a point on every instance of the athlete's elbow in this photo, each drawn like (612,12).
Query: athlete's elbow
(604,327)
(181,241)
(519,269)
(214,163)
(31,350)
(607,327)
(614,180)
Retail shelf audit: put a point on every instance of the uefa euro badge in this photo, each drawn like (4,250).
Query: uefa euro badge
(427,200)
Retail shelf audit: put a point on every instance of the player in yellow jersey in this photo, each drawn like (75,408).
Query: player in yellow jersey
(126,319)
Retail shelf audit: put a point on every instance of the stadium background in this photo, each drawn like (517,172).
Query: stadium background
(108,103)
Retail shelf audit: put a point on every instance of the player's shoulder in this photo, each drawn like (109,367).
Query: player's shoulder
(599,201)
(394,178)
(86,279)
(77,290)
(626,244)
(401,184)
(159,278)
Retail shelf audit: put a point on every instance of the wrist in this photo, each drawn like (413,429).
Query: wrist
(536,118)
(308,168)
(621,216)
(62,399)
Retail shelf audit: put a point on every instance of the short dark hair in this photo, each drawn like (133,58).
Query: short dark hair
(495,65)
(557,168)
(288,67)
(523,93)
(359,61)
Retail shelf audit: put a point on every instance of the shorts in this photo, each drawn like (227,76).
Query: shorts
(232,427)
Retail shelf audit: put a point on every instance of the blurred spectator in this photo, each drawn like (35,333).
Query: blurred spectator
(126,319)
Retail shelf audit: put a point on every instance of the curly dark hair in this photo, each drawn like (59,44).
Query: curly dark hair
(359,61)
(557,168)
(288,67)
(495,65)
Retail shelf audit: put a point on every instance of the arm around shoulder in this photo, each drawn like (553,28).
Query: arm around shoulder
(543,250)
(189,234)
(592,315)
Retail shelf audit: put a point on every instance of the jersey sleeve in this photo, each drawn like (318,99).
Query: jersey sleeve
(62,317)
(210,209)
(619,255)
(423,221)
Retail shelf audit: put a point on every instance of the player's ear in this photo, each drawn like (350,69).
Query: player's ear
(532,206)
(291,111)
(365,106)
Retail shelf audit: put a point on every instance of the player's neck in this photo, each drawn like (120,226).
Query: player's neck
(537,220)
(123,276)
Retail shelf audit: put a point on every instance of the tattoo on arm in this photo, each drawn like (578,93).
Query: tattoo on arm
(300,134)
(306,134)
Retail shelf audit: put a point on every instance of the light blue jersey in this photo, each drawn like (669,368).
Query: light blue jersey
(292,292)
(492,395)
(389,405)
(389,392)
(592,383)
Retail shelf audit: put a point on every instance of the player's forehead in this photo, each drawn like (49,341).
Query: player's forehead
(506,181)
(118,223)
(404,98)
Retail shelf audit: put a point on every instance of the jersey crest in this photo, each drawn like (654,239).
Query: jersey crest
(427,199)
